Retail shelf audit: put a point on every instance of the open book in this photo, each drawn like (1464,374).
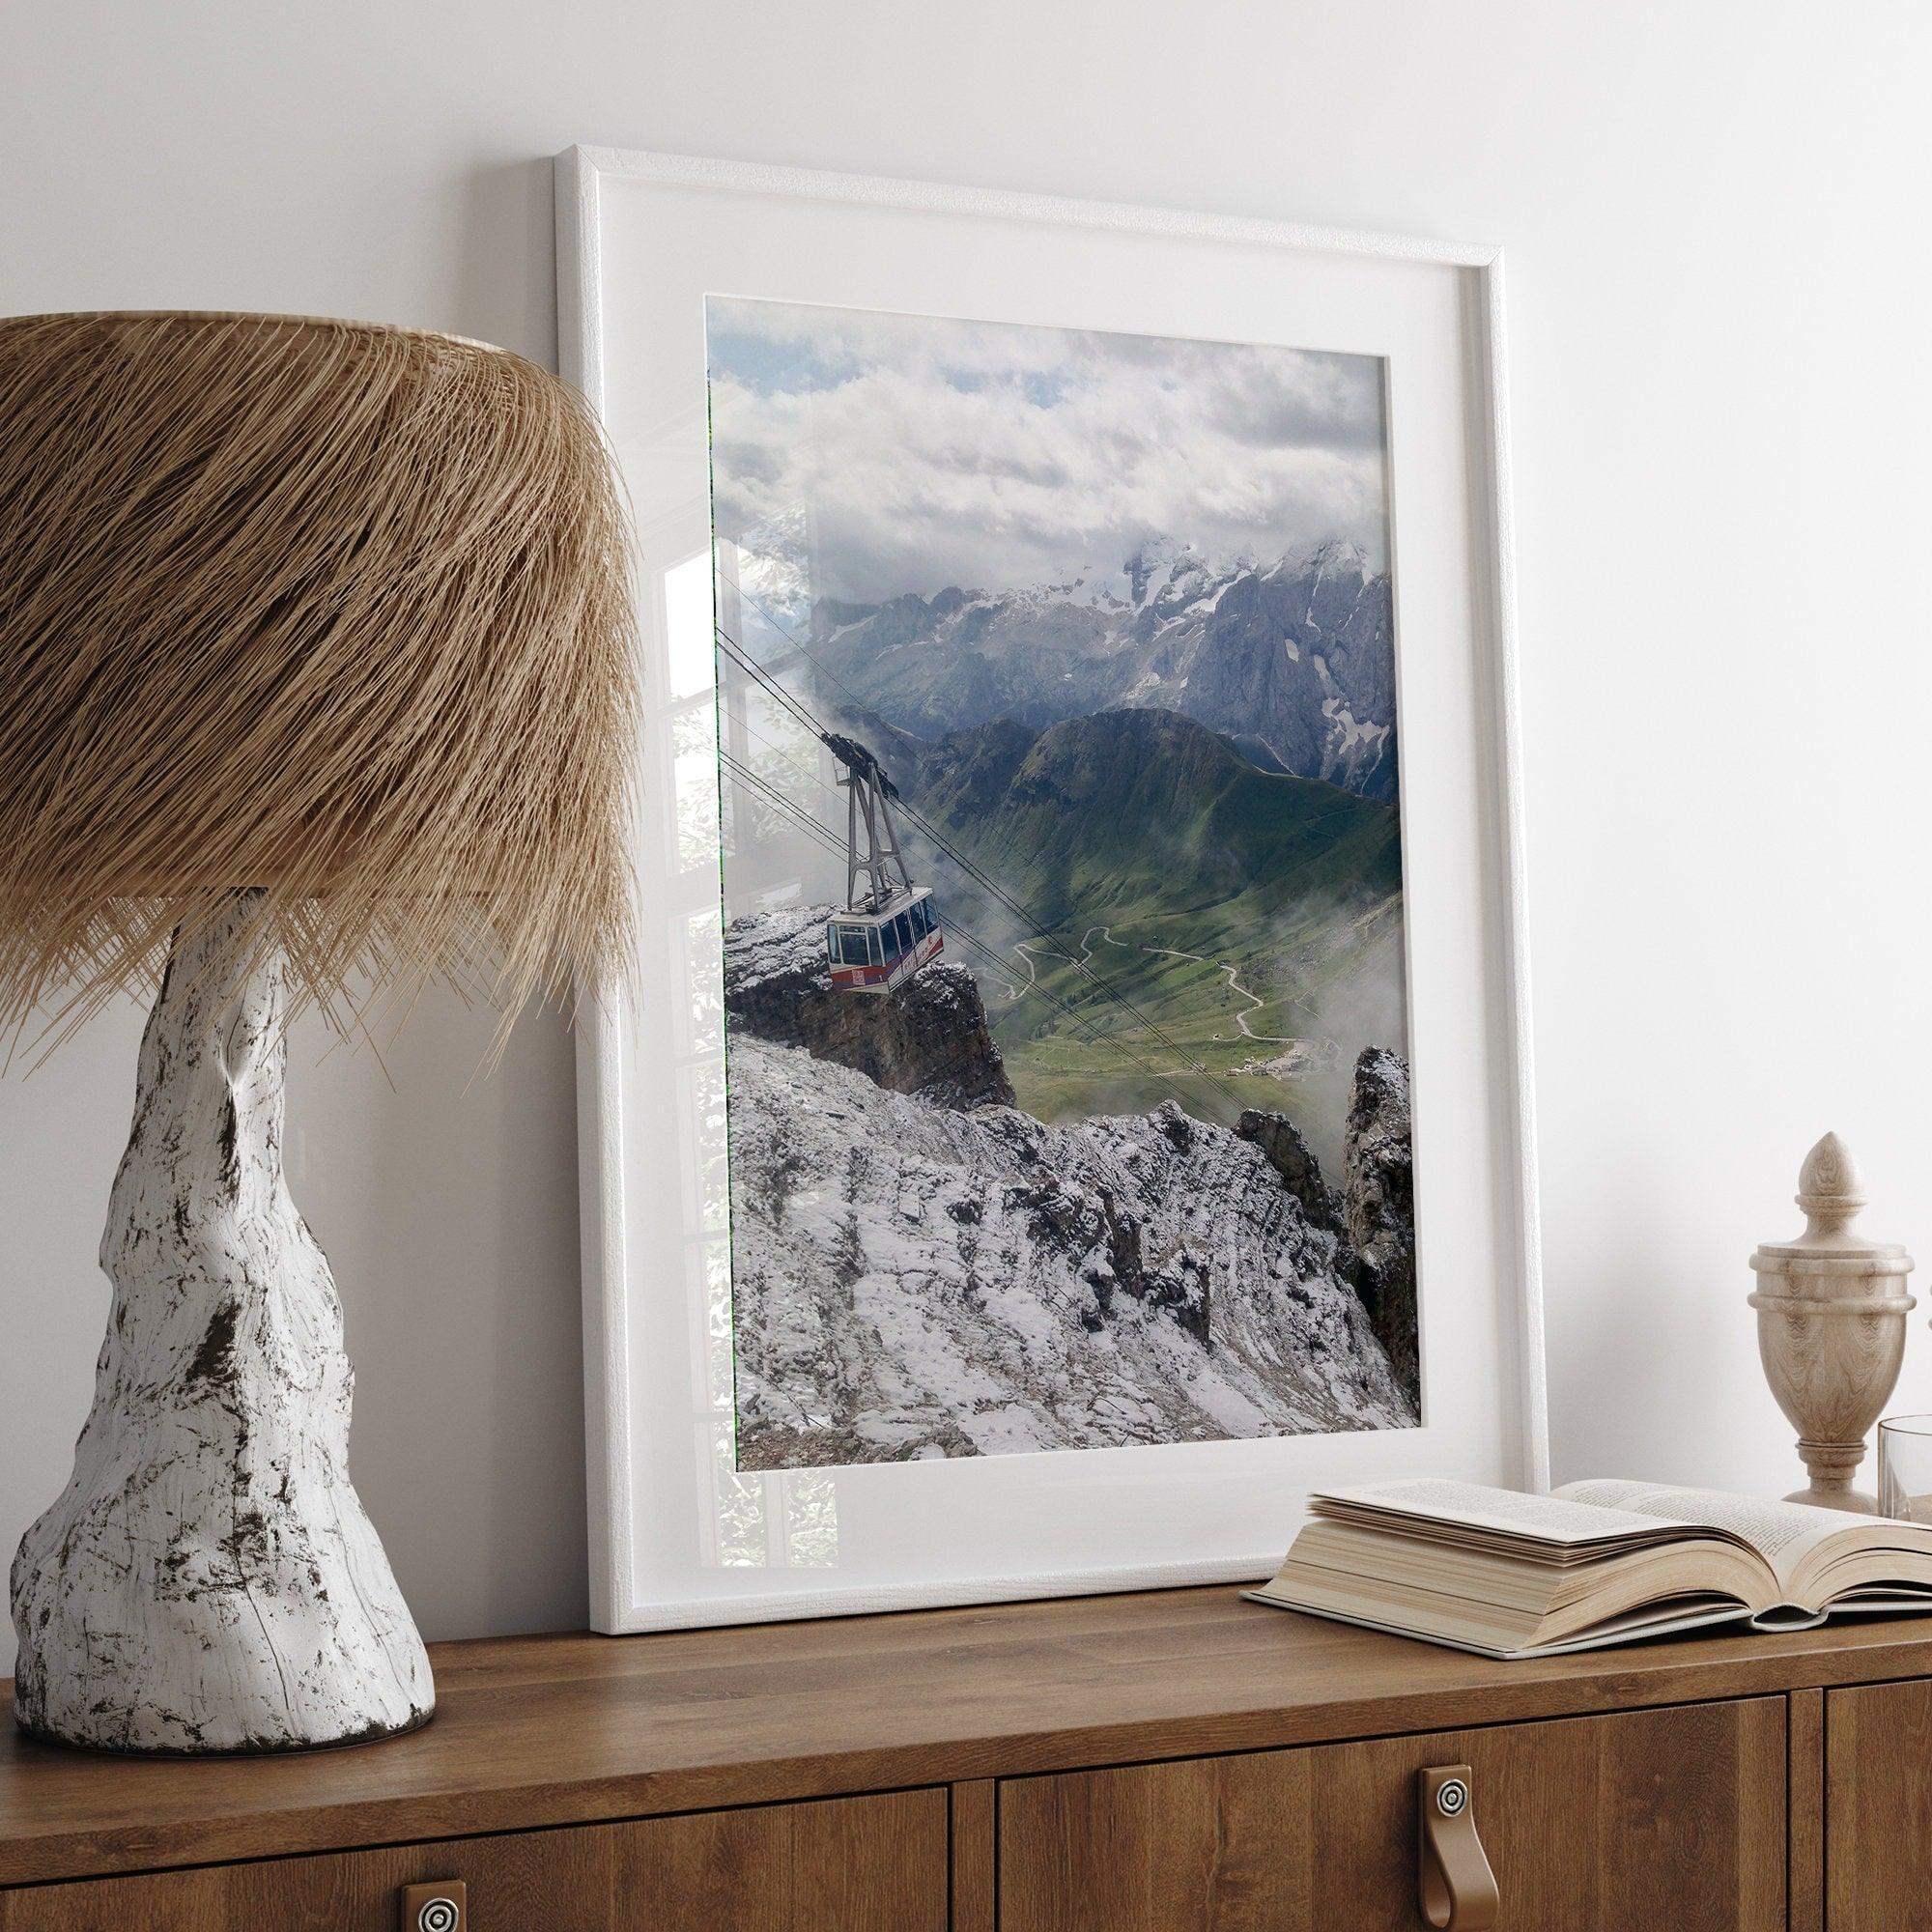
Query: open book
(1593,1563)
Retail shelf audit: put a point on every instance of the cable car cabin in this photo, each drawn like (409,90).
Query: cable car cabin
(872,952)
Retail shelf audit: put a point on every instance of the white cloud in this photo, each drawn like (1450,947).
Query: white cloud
(925,453)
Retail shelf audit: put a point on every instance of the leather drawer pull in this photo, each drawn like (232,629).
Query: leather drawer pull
(441,1907)
(1454,1884)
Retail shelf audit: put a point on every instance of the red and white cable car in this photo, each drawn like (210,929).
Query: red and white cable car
(891,929)
(872,952)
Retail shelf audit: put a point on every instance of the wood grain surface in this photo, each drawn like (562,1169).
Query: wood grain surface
(1804,1809)
(566,1730)
(1621,1824)
(975,1855)
(1878,1808)
(851,1864)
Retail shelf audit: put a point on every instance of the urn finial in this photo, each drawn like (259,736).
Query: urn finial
(1830,1189)
(1830,1324)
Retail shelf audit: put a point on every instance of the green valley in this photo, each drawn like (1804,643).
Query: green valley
(1253,919)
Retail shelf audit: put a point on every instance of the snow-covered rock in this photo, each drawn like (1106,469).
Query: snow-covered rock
(915,1280)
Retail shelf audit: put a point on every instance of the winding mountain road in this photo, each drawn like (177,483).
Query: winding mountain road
(1254,999)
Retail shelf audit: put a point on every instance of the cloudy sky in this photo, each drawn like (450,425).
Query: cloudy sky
(924,453)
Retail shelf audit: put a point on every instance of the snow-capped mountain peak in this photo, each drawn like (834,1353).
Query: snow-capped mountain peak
(771,566)
(1340,556)
(1292,659)
(1159,565)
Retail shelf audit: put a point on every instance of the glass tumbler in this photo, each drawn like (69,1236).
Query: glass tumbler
(1905,1467)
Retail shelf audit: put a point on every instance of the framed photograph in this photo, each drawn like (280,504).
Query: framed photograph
(1077,1094)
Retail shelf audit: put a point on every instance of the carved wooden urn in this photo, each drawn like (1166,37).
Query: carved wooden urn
(1830,1327)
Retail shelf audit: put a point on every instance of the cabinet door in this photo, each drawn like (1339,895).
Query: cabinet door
(1631,1823)
(1878,1808)
(853,1865)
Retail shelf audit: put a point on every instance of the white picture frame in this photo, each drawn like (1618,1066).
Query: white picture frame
(641,237)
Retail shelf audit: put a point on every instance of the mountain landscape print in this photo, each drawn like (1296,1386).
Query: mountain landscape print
(1068,1090)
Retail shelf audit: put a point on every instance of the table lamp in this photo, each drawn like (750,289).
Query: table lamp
(318,681)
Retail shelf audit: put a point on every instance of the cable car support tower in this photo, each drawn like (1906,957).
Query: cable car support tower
(890,930)
(868,792)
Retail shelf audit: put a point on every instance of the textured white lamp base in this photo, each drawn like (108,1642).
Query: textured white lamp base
(208,1580)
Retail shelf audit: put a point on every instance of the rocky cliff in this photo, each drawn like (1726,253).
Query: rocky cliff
(919,1268)
(1381,1196)
(1291,1158)
(928,1037)
(1373,1213)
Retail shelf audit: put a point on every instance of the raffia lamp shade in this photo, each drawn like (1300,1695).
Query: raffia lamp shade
(331,610)
(317,680)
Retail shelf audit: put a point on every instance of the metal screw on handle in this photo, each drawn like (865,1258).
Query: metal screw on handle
(1454,1885)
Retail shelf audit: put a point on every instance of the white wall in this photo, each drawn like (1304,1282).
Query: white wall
(1714,212)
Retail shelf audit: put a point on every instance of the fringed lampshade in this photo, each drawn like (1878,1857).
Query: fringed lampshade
(334,611)
(317,680)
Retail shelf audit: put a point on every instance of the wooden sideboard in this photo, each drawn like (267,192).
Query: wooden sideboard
(1171,1762)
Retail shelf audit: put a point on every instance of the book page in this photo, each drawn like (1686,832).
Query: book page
(1783,1533)
(1669,1619)
(1559,1519)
